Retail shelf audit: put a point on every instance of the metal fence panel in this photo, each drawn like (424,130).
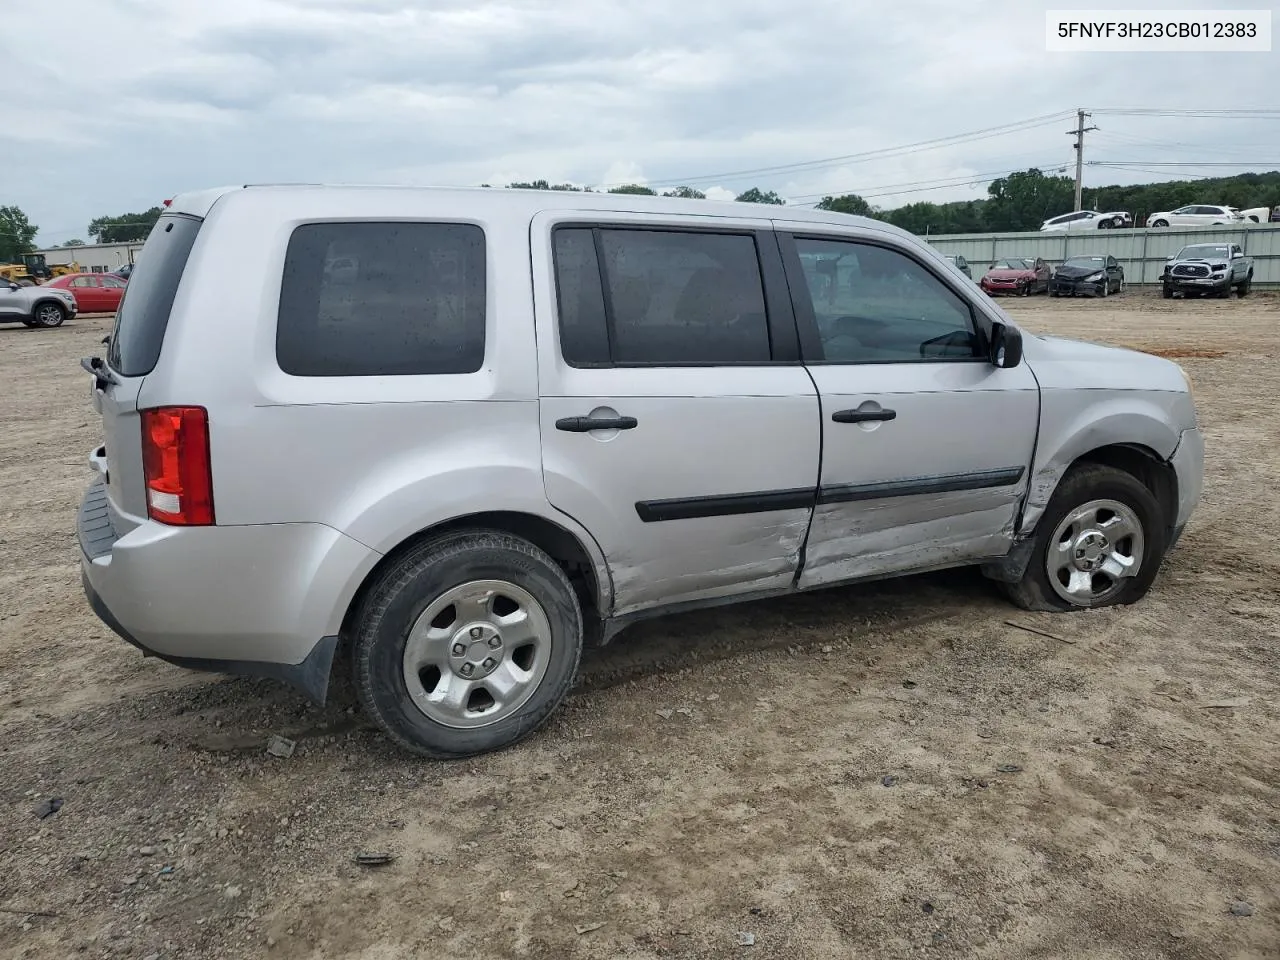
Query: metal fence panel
(1141,252)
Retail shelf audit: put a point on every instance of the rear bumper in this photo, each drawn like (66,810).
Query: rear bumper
(262,600)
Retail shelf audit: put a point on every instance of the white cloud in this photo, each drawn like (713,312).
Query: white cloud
(585,91)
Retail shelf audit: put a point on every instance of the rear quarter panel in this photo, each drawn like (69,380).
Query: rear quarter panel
(377,458)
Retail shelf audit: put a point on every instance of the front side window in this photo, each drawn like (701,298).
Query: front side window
(659,297)
(877,305)
(382,299)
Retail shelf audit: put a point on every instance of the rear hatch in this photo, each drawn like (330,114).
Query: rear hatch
(132,354)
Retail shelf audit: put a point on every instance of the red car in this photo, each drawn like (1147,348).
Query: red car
(1022,276)
(94,292)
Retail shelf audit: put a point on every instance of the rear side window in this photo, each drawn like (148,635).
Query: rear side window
(382,299)
(660,297)
(143,316)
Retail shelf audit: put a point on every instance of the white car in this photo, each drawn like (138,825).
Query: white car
(1195,215)
(1256,214)
(1089,220)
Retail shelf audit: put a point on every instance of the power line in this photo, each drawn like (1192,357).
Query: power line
(888,189)
(883,153)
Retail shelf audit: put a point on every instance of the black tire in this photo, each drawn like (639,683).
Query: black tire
(1160,223)
(1054,293)
(1243,289)
(1107,225)
(1166,291)
(1104,288)
(1081,484)
(1224,293)
(49,314)
(408,587)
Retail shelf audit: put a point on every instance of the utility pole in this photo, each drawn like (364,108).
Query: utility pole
(1079,133)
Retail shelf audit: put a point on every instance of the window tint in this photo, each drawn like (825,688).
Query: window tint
(83,282)
(143,316)
(670,297)
(875,305)
(584,336)
(109,281)
(377,299)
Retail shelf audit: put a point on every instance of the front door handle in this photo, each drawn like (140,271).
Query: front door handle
(863,416)
(587,424)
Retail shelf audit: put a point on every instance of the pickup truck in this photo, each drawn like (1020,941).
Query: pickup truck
(1207,269)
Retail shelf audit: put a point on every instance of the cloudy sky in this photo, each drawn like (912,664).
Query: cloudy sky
(132,101)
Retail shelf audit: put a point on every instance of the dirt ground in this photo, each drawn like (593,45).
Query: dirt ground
(820,775)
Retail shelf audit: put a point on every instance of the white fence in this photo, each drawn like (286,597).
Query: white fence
(1141,252)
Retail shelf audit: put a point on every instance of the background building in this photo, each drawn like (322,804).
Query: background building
(94,257)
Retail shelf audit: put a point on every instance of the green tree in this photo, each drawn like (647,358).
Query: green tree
(544,185)
(125,228)
(756,195)
(16,235)
(72,243)
(849,203)
(685,193)
(1022,201)
(634,189)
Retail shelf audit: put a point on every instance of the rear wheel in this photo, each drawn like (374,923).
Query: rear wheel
(467,644)
(50,315)
(1099,543)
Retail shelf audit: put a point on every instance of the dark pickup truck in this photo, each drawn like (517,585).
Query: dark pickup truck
(1208,270)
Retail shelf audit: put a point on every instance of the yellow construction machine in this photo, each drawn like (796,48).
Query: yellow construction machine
(34,270)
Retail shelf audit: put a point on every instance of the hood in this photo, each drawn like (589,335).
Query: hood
(1208,261)
(1076,364)
(1006,274)
(1075,273)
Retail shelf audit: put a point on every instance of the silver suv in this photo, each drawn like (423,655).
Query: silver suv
(460,433)
(35,306)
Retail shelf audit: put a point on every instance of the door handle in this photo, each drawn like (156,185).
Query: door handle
(863,416)
(587,424)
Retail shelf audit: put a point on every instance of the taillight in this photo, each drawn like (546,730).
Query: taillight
(175,464)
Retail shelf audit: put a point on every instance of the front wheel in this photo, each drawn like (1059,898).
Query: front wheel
(1160,223)
(49,315)
(1099,543)
(1104,288)
(1243,289)
(1166,291)
(467,644)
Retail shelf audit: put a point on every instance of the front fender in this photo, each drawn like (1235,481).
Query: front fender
(1075,422)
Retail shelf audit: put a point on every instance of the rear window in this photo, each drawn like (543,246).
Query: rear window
(379,299)
(143,315)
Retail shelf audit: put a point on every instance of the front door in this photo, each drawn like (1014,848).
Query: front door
(14,305)
(926,445)
(677,425)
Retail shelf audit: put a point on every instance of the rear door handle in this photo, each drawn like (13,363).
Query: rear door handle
(587,424)
(863,416)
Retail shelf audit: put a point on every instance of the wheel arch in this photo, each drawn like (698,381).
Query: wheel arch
(584,567)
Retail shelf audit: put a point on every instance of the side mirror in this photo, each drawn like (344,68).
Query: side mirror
(13,286)
(1006,346)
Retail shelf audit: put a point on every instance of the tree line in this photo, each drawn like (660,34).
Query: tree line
(1020,201)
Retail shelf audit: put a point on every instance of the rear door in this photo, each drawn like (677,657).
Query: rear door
(132,354)
(925,444)
(678,425)
(88,293)
(112,292)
